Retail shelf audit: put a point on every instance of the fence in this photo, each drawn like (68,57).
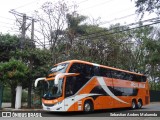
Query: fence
(154,96)
(1,94)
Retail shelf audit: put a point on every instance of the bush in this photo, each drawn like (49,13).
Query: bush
(7,95)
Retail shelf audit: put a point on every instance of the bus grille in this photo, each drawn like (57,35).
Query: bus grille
(49,105)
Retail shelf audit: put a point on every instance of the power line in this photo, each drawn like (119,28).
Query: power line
(117,19)
(68,6)
(129,25)
(121,11)
(101,35)
(8,27)
(97,5)
(19,14)
(105,34)
(6,23)
(82,1)
(27,4)
(7,18)
(78,3)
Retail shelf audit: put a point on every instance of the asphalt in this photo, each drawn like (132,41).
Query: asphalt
(153,106)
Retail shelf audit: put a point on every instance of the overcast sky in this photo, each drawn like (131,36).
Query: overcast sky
(109,11)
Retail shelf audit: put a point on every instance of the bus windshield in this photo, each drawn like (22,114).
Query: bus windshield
(59,68)
(53,91)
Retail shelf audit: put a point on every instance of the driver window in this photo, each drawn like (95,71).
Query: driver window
(69,89)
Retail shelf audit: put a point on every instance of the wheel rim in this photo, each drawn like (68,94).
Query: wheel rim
(133,105)
(87,107)
(139,104)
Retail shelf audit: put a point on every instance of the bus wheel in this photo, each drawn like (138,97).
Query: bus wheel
(88,106)
(139,105)
(134,105)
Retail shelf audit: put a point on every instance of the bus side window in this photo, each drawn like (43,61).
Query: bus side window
(136,78)
(69,87)
(105,72)
(89,71)
(96,71)
(128,76)
(75,68)
(143,78)
(114,74)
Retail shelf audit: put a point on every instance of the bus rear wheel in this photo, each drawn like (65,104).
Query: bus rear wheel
(139,105)
(134,105)
(88,106)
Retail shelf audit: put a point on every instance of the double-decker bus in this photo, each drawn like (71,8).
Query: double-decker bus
(77,85)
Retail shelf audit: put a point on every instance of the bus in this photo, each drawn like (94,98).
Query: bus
(77,85)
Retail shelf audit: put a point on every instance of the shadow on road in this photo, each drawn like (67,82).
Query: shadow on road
(97,113)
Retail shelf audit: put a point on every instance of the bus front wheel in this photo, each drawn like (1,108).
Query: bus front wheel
(88,106)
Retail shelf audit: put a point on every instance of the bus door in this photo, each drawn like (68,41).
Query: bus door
(69,94)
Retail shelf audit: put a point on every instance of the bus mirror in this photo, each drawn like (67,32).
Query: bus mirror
(37,80)
(60,75)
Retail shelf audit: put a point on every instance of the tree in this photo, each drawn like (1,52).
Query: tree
(75,26)
(148,6)
(146,58)
(8,43)
(37,60)
(153,61)
(52,24)
(13,73)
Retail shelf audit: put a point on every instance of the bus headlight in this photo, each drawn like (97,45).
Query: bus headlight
(59,103)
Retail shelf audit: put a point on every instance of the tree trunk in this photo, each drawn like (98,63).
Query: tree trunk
(30,84)
(29,93)
(13,95)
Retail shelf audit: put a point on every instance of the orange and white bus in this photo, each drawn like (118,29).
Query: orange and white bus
(76,85)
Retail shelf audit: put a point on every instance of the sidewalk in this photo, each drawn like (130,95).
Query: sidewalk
(7,107)
(4,105)
(13,109)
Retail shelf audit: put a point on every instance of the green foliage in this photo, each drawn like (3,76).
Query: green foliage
(8,40)
(14,71)
(75,26)
(7,95)
(7,43)
(147,6)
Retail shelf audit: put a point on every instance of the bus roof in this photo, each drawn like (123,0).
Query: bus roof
(85,62)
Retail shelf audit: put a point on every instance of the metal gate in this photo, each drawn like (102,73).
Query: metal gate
(1,95)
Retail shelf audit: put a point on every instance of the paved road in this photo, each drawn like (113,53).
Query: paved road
(97,115)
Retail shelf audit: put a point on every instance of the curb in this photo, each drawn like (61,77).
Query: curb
(13,109)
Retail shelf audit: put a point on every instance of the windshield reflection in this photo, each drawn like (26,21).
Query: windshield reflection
(59,68)
(54,91)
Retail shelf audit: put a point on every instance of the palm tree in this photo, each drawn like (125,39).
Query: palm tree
(75,26)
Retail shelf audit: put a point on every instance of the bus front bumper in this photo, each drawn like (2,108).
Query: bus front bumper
(56,107)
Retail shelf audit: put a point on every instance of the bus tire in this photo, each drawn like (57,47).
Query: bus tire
(88,106)
(134,105)
(139,104)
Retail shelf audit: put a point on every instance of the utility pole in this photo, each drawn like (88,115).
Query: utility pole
(32,31)
(24,28)
(23,33)
(31,66)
